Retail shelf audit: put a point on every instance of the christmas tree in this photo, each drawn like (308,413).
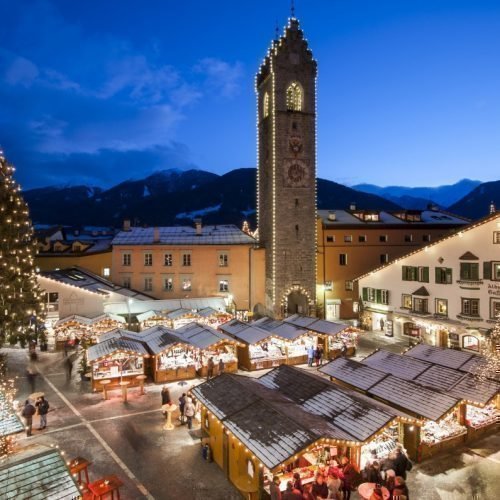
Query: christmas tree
(21,308)
(490,368)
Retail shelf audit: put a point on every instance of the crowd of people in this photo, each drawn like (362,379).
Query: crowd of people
(341,477)
(187,407)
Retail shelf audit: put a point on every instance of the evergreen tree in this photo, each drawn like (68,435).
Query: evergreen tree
(21,307)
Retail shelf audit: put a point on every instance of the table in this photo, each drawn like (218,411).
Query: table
(169,409)
(124,385)
(104,486)
(365,491)
(141,379)
(104,383)
(79,465)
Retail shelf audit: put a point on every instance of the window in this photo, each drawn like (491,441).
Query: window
(168,284)
(383,296)
(362,238)
(496,237)
(494,308)
(52,301)
(495,271)
(223,259)
(426,237)
(349,285)
(348,238)
(383,238)
(186,259)
(420,305)
(408,238)
(148,259)
(126,259)
(444,275)
(294,97)
(470,307)
(470,342)
(372,217)
(413,273)
(405,301)
(168,260)
(469,271)
(148,284)
(441,307)
(371,294)
(186,284)
(126,282)
(265,106)
(106,272)
(77,248)
(384,258)
(330,239)
(328,286)
(423,274)
(343,259)
(223,285)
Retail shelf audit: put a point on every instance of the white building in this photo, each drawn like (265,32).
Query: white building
(446,294)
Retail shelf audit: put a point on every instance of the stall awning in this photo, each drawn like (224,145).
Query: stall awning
(10,423)
(279,328)
(160,338)
(113,345)
(37,473)
(202,336)
(245,332)
(316,325)
(74,318)
(180,313)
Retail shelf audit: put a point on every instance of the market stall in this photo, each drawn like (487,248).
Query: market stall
(181,317)
(212,317)
(332,336)
(150,319)
(73,329)
(213,344)
(118,360)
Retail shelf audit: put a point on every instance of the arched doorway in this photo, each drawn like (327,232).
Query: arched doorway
(296,301)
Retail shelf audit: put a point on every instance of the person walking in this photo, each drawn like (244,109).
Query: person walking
(319,487)
(221,366)
(274,488)
(210,368)
(42,405)
(69,367)
(182,405)
(189,412)
(291,493)
(350,473)
(401,463)
(310,355)
(317,355)
(31,376)
(28,412)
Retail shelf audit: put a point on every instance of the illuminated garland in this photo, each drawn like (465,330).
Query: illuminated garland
(7,393)
(490,367)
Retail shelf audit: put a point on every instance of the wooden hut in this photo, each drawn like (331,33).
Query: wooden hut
(151,319)
(117,360)
(284,422)
(212,317)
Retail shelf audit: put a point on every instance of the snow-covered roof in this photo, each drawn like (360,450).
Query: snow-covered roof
(282,329)
(396,364)
(316,325)
(202,336)
(245,332)
(452,358)
(114,344)
(9,420)
(226,234)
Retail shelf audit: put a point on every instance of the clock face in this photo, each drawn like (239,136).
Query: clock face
(296,173)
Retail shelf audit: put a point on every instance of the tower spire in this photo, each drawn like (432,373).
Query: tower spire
(292,9)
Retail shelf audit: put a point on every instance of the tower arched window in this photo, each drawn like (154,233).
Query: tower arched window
(265,106)
(294,97)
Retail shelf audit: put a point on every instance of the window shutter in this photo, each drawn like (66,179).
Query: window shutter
(486,270)
(449,275)
(437,275)
(403,277)
(425,274)
(379,296)
(365,293)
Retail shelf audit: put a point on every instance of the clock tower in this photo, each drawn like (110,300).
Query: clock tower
(286,176)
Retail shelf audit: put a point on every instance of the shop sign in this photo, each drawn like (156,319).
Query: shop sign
(389,331)
(493,289)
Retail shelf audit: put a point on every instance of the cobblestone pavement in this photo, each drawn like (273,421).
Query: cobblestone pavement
(127,439)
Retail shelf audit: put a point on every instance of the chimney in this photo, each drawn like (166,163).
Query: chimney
(197,225)
(126,225)
(352,206)
(332,216)
(156,235)
(493,209)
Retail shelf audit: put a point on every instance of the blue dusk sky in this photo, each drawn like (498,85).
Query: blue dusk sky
(98,92)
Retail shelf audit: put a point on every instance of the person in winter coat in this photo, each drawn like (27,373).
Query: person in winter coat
(42,405)
(350,474)
(274,488)
(390,477)
(319,488)
(28,412)
(189,411)
(291,493)
(210,368)
(373,473)
(182,405)
(400,490)
(318,355)
(401,463)
(297,482)
(165,396)
(334,485)
(310,355)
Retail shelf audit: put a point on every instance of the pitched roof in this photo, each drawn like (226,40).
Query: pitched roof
(421,292)
(245,332)
(37,473)
(317,325)
(396,364)
(10,423)
(226,234)
(282,329)
(202,336)
(113,345)
(451,358)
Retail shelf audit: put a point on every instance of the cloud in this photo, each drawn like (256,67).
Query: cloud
(22,72)
(220,75)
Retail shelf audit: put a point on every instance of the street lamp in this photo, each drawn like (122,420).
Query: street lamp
(129,303)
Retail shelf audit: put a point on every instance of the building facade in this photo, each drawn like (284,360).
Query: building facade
(190,262)
(286,205)
(353,242)
(446,294)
